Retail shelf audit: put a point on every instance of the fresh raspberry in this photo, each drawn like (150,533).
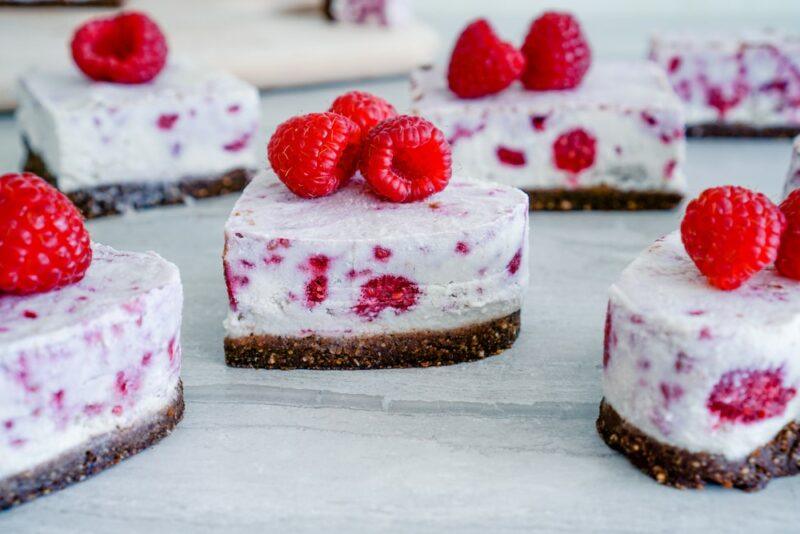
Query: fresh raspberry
(482,64)
(314,154)
(731,233)
(405,159)
(747,396)
(387,291)
(575,150)
(126,48)
(788,262)
(364,109)
(43,242)
(557,54)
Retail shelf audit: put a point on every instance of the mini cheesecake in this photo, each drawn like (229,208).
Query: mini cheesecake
(89,374)
(626,114)
(745,84)
(700,385)
(350,281)
(386,13)
(114,147)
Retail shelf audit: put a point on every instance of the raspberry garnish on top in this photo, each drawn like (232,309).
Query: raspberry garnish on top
(405,159)
(314,154)
(364,109)
(44,244)
(731,233)
(557,55)
(788,262)
(126,48)
(481,64)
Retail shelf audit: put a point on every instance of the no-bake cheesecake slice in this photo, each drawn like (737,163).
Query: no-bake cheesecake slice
(353,281)
(572,134)
(734,85)
(89,374)
(700,366)
(90,351)
(134,130)
(701,384)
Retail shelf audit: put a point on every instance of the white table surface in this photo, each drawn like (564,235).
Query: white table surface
(506,444)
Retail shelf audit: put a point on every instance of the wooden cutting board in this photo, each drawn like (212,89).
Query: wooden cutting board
(271,43)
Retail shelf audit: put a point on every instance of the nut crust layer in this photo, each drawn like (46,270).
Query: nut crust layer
(679,468)
(90,458)
(740,130)
(417,349)
(601,198)
(100,201)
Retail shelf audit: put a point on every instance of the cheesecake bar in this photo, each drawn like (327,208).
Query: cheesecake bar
(614,142)
(385,13)
(115,147)
(737,85)
(700,385)
(351,281)
(89,374)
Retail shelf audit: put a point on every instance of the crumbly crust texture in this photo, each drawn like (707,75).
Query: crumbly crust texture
(740,130)
(89,459)
(95,202)
(416,349)
(679,468)
(601,198)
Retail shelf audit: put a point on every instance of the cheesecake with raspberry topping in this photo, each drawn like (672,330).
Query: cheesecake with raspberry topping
(129,129)
(700,385)
(89,373)
(353,281)
(615,141)
(739,85)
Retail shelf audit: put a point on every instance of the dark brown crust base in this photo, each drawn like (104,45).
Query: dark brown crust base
(62,3)
(601,198)
(101,453)
(740,130)
(105,200)
(682,469)
(419,349)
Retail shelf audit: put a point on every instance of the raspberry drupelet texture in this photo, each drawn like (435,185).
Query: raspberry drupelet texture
(364,109)
(44,244)
(788,262)
(731,233)
(557,55)
(127,48)
(747,396)
(405,159)
(481,64)
(314,154)
(574,151)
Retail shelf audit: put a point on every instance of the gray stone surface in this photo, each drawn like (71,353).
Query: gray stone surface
(507,444)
